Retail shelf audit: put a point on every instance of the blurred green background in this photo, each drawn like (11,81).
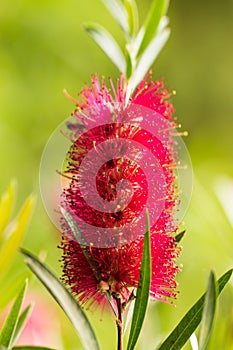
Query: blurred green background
(43,50)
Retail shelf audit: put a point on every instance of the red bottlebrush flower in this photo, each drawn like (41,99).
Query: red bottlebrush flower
(119,269)
(153,95)
(116,162)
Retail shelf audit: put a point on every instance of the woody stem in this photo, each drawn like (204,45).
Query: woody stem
(119,324)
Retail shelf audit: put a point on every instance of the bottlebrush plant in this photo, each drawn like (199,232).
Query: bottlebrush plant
(118,190)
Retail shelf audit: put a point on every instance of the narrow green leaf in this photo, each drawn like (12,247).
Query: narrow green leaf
(143,291)
(191,320)
(107,43)
(149,55)
(157,11)
(31,348)
(9,327)
(132,16)
(118,12)
(129,65)
(179,236)
(65,299)
(78,236)
(6,206)
(208,313)
(21,322)
(16,234)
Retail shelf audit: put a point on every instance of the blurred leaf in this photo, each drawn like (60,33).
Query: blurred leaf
(193,342)
(149,55)
(132,15)
(107,43)
(10,286)
(118,11)
(30,348)
(9,327)
(143,290)
(191,320)
(157,11)
(179,236)
(65,299)
(16,234)
(6,206)
(208,313)
(21,322)
(128,315)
